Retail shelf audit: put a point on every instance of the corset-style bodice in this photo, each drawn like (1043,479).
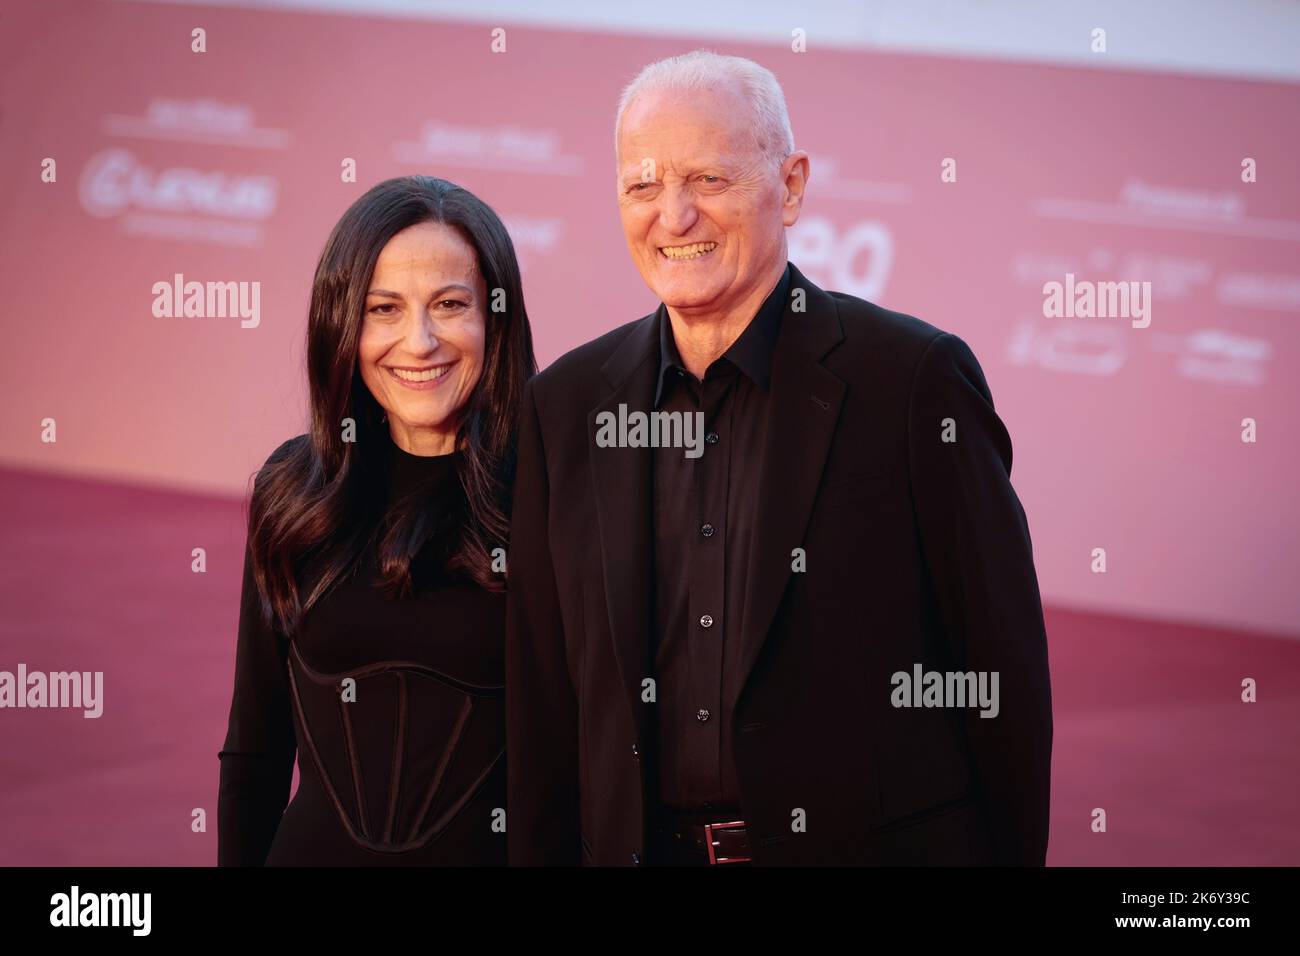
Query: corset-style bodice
(399,751)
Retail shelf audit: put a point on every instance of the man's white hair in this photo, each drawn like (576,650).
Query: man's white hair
(706,70)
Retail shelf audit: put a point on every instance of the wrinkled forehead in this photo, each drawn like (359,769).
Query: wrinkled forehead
(684,160)
(676,127)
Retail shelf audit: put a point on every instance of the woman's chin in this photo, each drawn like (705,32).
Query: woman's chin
(435,423)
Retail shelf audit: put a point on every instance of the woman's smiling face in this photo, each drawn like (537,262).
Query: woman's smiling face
(423,335)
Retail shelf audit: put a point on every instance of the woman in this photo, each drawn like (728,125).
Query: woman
(371,630)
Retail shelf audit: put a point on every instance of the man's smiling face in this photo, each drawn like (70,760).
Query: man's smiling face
(702,207)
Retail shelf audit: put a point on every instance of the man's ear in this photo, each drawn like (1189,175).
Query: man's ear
(794,181)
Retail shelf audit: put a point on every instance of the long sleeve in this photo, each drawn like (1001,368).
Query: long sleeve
(258,755)
(541,708)
(976,542)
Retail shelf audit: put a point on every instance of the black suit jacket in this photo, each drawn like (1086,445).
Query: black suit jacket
(917,552)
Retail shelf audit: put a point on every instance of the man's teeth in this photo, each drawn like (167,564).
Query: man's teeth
(693,251)
(428,375)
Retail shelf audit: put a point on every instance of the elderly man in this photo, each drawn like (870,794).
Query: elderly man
(767,652)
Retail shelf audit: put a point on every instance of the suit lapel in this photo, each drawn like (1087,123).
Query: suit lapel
(622,479)
(804,406)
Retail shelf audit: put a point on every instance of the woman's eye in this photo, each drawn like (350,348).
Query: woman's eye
(381,309)
(449,304)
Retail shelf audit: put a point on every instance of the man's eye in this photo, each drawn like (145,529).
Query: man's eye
(709,178)
(639,187)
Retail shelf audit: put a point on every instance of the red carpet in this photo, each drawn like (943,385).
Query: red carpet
(1149,723)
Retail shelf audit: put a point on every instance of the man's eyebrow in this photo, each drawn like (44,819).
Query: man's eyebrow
(716,166)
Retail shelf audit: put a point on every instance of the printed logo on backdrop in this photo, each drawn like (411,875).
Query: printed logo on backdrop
(510,148)
(1068,346)
(854,256)
(1216,355)
(177,202)
(197,121)
(1207,355)
(1274,293)
(1092,343)
(532,235)
(161,198)
(1142,204)
(1072,345)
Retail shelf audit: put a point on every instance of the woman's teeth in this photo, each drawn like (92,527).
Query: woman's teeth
(693,251)
(427,375)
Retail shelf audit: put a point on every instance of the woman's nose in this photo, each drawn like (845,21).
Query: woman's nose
(422,335)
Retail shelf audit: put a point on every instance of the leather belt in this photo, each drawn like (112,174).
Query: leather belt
(721,842)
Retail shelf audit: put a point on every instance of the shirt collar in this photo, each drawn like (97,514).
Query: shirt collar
(752,350)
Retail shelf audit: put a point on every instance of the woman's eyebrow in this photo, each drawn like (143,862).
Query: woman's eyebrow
(455,285)
(447,288)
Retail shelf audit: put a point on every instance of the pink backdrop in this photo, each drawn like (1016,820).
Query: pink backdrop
(225,166)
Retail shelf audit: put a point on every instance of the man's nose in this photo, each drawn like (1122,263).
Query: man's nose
(677,212)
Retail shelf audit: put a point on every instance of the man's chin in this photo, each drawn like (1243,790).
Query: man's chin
(681,296)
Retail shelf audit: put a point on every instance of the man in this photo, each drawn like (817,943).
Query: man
(711,644)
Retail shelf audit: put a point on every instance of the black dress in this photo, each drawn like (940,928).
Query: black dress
(404,766)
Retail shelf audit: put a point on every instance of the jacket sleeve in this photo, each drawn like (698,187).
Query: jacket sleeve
(976,543)
(258,754)
(543,827)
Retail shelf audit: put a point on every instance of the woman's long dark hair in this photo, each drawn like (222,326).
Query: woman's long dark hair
(313,507)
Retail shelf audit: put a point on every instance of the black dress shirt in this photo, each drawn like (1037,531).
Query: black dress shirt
(705,513)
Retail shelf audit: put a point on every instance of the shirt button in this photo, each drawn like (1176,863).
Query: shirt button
(701,715)
(711,438)
(636,859)
(706,621)
(706,530)
(635,751)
